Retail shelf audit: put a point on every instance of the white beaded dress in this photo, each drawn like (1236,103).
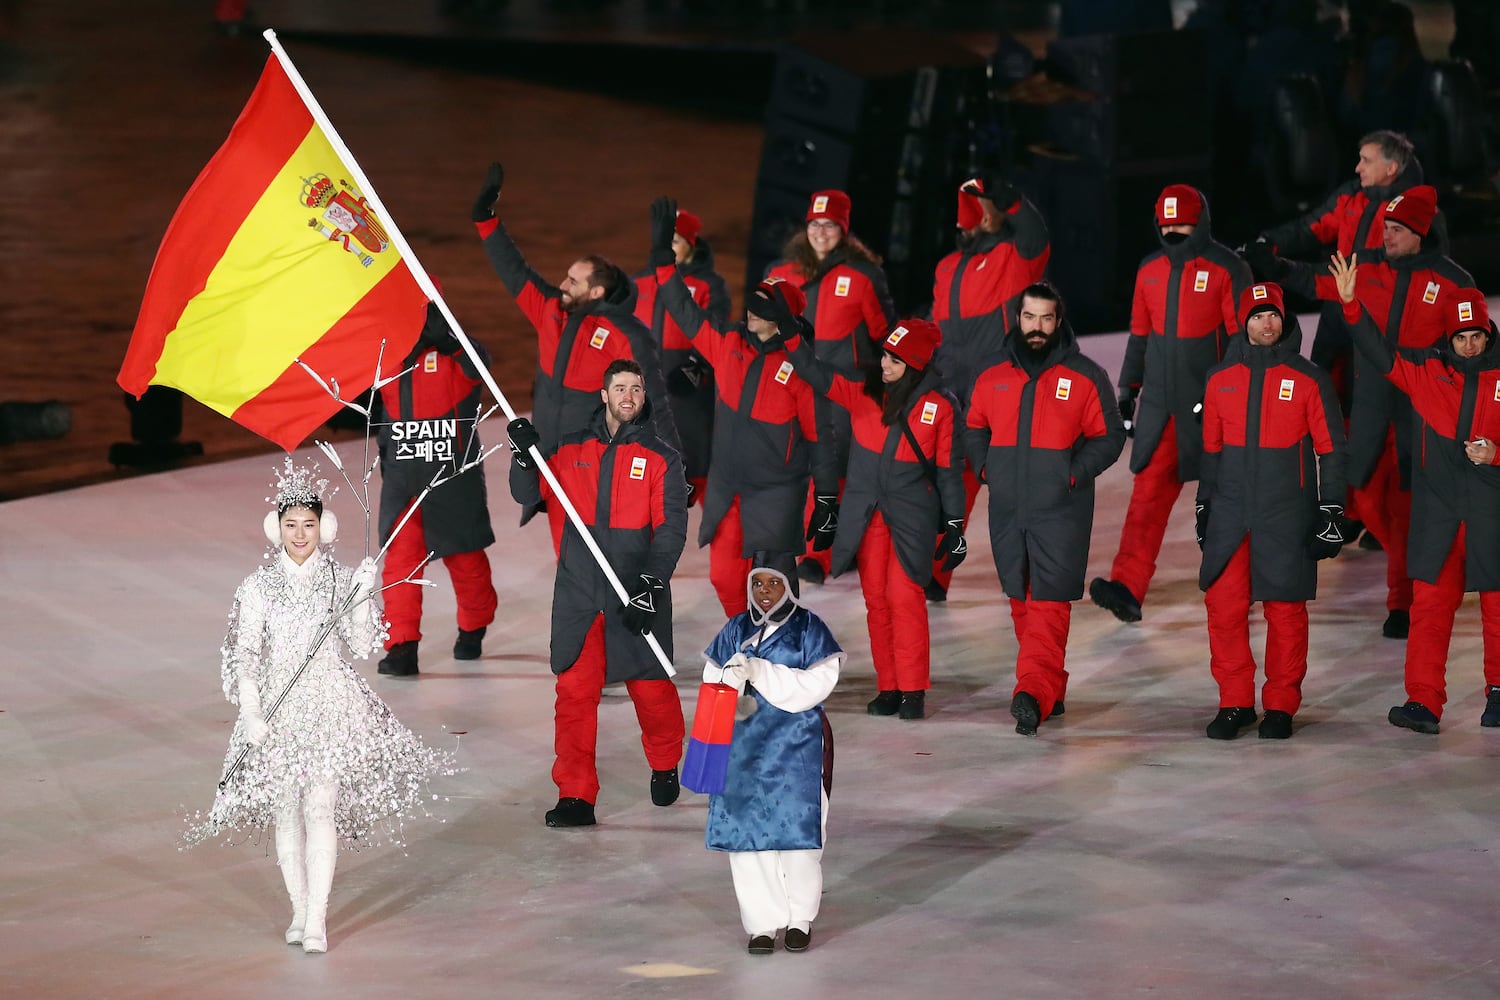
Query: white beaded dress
(332,728)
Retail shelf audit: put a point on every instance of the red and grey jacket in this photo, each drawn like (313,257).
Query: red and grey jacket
(705,285)
(885,473)
(573,349)
(1406,296)
(1180,322)
(848,305)
(1039,433)
(1456,400)
(426,425)
(1351,218)
(631,493)
(1273,445)
(765,430)
(976,288)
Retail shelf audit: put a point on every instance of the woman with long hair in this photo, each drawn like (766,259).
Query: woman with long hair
(903,499)
(850,311)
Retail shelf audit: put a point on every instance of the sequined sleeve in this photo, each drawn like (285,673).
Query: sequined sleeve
(363,628)
(245,639)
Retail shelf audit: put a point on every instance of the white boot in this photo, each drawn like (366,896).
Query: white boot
(289,855)
(322,855)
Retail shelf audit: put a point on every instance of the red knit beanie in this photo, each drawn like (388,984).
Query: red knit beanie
(1179,205)
(832,205)
(789,293)
(688,225)
(1260,297)
(914,341)
(1466,310)
(1414,208)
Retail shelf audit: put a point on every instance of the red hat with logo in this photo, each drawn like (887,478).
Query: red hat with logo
(914,341)
(1259,297)
(1466,310)
(832,205)
(1179,205)
(789,293)
(1414,208)
(688,225)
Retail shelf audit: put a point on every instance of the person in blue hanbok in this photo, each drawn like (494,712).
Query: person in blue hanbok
(773,812)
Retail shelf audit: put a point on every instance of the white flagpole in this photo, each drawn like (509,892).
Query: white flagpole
(409,258)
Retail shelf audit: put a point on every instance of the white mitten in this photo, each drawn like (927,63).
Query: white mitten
(365,575)
(736,672)
(252,723)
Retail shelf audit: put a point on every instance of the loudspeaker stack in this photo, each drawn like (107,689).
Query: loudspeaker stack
(1143,124)
(881,115)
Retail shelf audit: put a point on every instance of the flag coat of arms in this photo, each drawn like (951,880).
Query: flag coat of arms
(274,256)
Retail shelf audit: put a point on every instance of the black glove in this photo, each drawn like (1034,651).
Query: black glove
(1329,533)
(1200,527)
(646,601)
(824,522)
(1127,408)
(778,312)
(1261,256)
(952,546)
(484,204)
(998,190)
(436,333)
(663,228)
(523,437)
(686,377)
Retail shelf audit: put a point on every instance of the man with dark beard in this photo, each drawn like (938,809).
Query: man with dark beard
(1042,425)
(1002,247)
(1186,294)
(582,325)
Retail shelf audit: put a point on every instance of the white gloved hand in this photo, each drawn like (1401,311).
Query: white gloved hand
(365,575)
(255,728)
(737,672)
(252,723)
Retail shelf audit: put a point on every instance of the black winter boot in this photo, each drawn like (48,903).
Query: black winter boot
(885,703)
(469,644)
(665,787)
(571,812)
(400,660)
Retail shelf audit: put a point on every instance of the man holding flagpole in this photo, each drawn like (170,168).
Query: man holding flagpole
(582,326)
(629,487)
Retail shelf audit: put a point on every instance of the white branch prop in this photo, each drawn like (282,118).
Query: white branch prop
(409,258)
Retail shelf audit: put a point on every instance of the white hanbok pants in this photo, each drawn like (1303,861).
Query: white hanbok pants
(778,889)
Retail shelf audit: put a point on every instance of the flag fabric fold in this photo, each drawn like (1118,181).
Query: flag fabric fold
(274,256)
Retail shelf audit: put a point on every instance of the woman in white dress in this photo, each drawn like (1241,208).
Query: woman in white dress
(331,762)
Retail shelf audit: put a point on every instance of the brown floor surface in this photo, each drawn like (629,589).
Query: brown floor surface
(105,119)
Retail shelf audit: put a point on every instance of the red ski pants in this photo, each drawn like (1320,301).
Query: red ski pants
(1432,610)
(1042,631)
(1385,509)
(1152,496)
(576,720)
(1230,659)
(473,588)
(895,612)
(727,566)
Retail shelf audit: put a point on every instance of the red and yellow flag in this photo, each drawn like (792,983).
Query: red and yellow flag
(273,256)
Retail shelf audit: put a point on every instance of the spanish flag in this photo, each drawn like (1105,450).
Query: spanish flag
(274,257)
